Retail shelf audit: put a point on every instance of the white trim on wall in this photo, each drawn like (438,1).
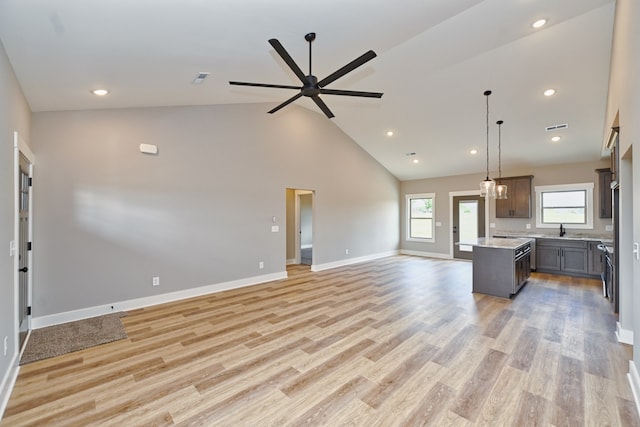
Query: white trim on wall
(425,254)
(70,316)
(8,381)
(634,381)
(624,336)
(350,261)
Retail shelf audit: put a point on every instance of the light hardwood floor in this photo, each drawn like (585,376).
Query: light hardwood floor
(397,342)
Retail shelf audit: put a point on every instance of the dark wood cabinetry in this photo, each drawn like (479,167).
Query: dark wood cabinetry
(570,257)
(518,204)
(605,177)
(596,259)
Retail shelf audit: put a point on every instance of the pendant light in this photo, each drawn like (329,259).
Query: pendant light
(488,186)
(501,189)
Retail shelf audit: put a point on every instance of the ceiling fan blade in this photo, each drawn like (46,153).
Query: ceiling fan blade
(285,103)
(264,85)
(366,57)
(320,103)
(350,93)
(287,58)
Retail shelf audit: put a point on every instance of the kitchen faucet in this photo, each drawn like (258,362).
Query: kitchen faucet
(562,231)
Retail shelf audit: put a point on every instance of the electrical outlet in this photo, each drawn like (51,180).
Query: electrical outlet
(6,345)
(608,227)
(528,226)
(155,281)
(261,265)
(346,251)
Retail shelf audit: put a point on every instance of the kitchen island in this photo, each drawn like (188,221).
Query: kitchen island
(501,266)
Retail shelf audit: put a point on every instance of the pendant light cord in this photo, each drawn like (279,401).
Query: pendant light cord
(499,148)
(487,93)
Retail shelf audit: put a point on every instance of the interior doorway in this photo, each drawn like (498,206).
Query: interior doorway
(468,224)
(300,226)
(23,237)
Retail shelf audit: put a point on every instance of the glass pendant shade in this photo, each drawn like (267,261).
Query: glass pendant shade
(488,188)
(501,191)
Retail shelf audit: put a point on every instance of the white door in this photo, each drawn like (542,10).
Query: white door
(22,244)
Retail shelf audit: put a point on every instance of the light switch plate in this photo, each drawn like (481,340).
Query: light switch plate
(492,225)
(528,226)
(608,227)
(275,228)
(438,224)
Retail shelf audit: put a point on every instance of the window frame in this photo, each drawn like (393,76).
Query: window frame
(587,187)
(408,198)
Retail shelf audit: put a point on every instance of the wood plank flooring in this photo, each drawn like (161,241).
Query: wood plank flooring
(401,341)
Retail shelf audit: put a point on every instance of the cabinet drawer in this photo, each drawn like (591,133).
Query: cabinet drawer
(562,243)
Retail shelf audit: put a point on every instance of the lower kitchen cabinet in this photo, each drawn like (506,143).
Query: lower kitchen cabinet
(596,259)
(569,257)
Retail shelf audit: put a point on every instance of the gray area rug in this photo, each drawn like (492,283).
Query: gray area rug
(73,336)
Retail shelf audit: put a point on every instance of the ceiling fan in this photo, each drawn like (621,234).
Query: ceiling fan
(311,87)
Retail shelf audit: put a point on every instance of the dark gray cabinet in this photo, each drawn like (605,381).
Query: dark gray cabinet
(604,192)
(518,204)
(569,257)
(596,259)
(501,271)
(562,256)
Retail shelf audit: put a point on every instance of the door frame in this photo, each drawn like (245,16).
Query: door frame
(298,221)
(20,148)
(453,194)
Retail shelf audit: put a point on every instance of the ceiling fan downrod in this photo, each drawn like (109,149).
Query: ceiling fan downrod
(310,38)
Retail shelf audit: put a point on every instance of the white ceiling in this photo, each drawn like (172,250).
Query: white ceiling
(435,60)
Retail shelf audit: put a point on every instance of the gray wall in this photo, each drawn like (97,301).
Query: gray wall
(109,218)
(14,116)
(623,110)
(548,175)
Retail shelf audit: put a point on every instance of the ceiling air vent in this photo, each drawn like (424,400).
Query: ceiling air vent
(200,78)
(556,127)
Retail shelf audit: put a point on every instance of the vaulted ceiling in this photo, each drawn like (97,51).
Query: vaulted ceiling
(435,60)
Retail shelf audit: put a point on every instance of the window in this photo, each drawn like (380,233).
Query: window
(420,217)
(570,205)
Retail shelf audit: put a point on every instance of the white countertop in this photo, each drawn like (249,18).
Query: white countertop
(501,243)
(608,238)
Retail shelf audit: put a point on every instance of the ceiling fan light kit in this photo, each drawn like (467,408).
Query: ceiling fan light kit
(311,86)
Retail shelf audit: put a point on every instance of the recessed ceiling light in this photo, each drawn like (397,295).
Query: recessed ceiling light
(389,133)
(100,92)
(474,151)
(539,23)
(416,161)
(549,92)
(555,139)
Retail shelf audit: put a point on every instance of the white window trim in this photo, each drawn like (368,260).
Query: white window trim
(408,198)
(588,186)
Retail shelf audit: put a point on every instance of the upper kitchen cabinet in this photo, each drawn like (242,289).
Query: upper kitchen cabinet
(518,203)
(604,196)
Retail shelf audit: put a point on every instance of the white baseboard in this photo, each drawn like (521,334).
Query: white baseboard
(425,254)
(624,336)
(70,316)
(634,381)
(349,261)
(8,381)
